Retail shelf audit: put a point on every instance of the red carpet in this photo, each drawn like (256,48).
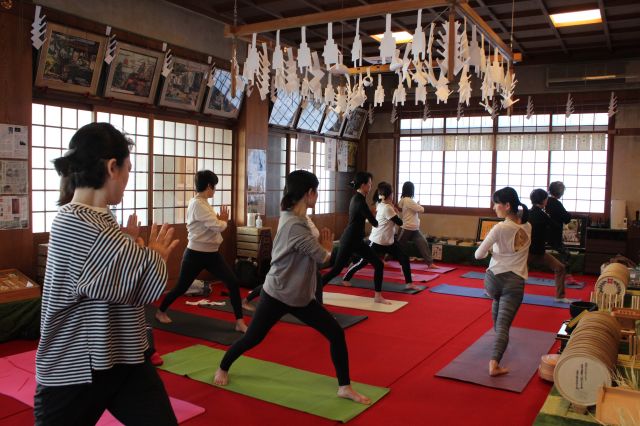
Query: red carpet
(402,350)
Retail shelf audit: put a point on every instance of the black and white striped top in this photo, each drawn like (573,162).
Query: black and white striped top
(96,284)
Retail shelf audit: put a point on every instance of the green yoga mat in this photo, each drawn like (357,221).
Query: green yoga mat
(289,387)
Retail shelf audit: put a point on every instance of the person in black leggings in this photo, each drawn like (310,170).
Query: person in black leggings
(205,228)
(382,239)
(290,284)
(352,239)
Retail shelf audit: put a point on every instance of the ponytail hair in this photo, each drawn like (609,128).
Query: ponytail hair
(509,195)
(382,192)
(408,190)
(297,183)
(361,178)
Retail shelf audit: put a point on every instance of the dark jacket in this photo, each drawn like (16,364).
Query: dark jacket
(542,226)
(557,213)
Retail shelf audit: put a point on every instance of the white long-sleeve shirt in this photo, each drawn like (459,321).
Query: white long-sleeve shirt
(410,213)
(204,226)
(506,257)
(383,233)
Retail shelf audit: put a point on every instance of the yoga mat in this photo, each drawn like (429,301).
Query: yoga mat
(359,302)
(547,282)
(522,358)
(390,287)
(419,267)
(201,327)
(396,275)
(529,299)
(289,387)
(18,381)
(345,320)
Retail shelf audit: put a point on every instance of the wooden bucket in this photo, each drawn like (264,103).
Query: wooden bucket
(586,363)
(613,280)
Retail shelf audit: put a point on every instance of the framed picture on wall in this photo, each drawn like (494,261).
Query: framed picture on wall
(220,101)
(70,60)
(484,226)
(574,232)
(134,74)
(332,124)
(355,123)
(184,87)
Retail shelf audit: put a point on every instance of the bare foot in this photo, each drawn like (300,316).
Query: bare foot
(346,283)
(241,326)
(495,369)
(248,306)
(379,299)
(433,266)
(347,392)
(411,286)
(221,378)
(163,317)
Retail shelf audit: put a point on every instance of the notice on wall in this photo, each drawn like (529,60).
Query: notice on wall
(330,153)
(14,141)
(303,151)
(343,156)
(13,177)
(14,212)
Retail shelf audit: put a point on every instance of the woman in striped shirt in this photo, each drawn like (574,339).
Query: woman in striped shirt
(90,356)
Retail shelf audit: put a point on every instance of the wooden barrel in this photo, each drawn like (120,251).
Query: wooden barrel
(586,363)
(613,280)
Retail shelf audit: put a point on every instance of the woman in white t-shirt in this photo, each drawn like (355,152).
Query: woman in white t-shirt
(382,238)
(509,243)
(410,230)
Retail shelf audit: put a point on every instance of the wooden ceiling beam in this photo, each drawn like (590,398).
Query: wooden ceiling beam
(545,12)
(347,13)
(605,24)
(500,25)
(494,38)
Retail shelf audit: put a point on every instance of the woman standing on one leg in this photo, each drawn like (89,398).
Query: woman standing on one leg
(205,237)
(291,283)
(509,242)
(382,239)
(91,354)
(352,239)
(410,230)
(560,215)
(541,226)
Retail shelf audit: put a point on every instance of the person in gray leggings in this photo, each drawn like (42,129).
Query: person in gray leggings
(509,243)
(410,230)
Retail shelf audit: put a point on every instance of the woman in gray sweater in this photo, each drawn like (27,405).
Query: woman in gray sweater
(291,283)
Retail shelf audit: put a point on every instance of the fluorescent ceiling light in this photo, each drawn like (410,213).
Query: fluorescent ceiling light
(583,17)
(400,36)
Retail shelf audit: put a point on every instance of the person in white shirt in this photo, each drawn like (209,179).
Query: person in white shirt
(205,228)
(410,230)
(382,239)
(509,242)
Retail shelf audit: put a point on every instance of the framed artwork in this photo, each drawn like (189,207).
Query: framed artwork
(355,123)
(220,101)
(353,152)
(332,124)
(574,232)
(484,226)
(70,60)
(134,74)
(184,87)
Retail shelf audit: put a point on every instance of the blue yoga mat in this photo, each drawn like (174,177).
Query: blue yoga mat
(529,299)
(547,282)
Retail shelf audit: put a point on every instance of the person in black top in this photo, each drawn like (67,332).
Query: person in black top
(352,239)
(559,214)
(541,227)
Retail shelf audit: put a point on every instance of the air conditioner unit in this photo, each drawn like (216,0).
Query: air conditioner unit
(603,74)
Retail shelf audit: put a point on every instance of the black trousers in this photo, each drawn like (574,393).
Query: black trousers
(134,394)
(193,262)
(346,250)
(269,312)
(394,250)
(258,289)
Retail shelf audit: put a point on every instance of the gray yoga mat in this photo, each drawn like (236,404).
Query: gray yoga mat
(547,282)
(345,320)
(390,287)
(529,299)
(522,358)
(201,327)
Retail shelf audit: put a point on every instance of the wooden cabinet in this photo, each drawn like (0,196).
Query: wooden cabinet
(601,245)
(633,243)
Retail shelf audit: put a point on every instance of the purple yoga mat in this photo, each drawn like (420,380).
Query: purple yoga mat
(419,267)
(522,358)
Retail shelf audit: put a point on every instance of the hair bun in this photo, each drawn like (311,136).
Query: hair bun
(62,165)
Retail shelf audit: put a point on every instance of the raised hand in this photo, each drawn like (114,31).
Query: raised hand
(326,239)
(224,213)
(162,240)
(133,227)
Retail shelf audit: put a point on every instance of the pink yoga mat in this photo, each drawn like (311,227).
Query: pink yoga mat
(17,380)
(395,275)
(419,267)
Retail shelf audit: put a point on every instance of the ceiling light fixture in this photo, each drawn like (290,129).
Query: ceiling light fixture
(583,17)
(400,36)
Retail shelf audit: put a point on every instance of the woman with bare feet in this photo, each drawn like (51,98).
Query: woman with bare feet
(411,224)
(205,228)
(352,239)
(382,238)
(509,242)
(291,283)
